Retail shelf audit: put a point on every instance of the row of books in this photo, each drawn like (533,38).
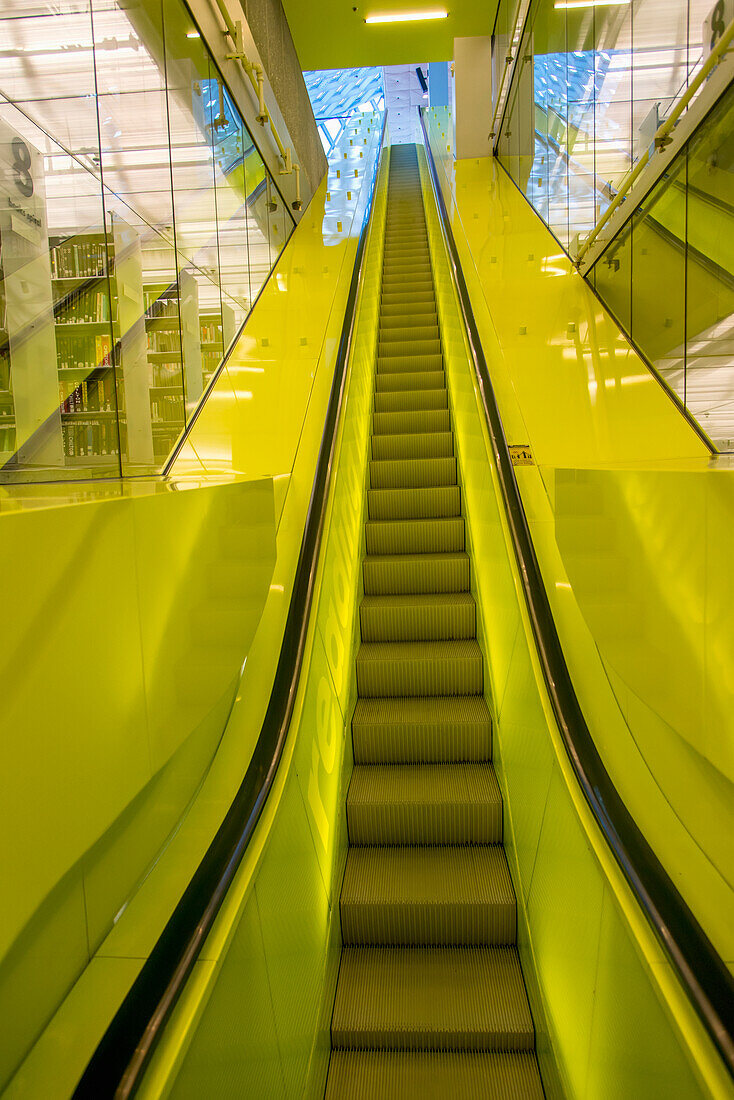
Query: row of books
(211,332)
(85,307)
(155,306)
(91,395)
(78,260)
(83,352)
(90,437)
(168,407)
(210,361)
(164,341)
(167,375)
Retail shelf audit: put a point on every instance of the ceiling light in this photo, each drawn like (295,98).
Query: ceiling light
(407,17)
(193,34)
(591,3)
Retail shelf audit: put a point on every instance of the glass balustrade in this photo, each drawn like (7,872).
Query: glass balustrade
(137,225)
(591,85)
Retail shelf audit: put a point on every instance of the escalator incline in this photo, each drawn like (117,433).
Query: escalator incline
(430,998)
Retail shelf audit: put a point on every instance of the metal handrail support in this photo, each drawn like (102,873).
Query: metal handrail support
(508,73)
(661,144)
(256,75)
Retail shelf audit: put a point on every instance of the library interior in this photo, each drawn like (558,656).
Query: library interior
(367,490)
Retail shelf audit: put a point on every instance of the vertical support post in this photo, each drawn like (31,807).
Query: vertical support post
(472,96)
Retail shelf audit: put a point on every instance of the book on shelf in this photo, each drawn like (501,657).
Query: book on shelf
(78,260)
(84,351)
(95,394)
(164,342)
(86,437)
(167,407)
(7,437)
(84,307)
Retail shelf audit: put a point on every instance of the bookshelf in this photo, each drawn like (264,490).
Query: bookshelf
(216,333)
(7,405)
(165,365)
(86,324)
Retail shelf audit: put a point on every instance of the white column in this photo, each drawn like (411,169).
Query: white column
(472,97)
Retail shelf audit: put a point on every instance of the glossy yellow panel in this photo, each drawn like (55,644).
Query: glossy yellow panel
(564,876)
(208,559)
(132,613)
(584,396)
(295,862)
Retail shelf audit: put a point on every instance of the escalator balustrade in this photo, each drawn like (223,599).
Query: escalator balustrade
(430,998)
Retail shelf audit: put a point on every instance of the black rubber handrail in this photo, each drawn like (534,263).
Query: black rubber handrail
(117,1066)
(702,973)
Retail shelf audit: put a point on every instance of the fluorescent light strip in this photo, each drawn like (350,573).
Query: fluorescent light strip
(591,4)
(406,17)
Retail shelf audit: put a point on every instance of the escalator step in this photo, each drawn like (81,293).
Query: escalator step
(431,998)
(434,1075)
(415,536)
(423,313)
(421,731)
(399,423)
(412,473)
(391,804)
(436,501)
(414,618)
(413,445)
(428,896)
(410,400)
(416,572)
(400,669)
(391,364)
(387,381)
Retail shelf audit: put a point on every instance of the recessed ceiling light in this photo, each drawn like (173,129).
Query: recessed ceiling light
(591,3)
(407,17)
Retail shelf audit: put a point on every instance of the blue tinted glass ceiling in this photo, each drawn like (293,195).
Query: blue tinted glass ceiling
(336,94)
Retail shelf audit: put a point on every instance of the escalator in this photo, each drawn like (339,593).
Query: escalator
(361,914)
(430,998)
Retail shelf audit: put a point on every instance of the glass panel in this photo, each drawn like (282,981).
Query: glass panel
(659,277)
(613,278)
(139,226)
(58,405)
(194,115)
(710,275)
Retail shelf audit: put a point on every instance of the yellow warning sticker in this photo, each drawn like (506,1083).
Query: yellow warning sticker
(521,455)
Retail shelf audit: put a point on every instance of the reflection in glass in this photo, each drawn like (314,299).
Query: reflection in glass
(138,226)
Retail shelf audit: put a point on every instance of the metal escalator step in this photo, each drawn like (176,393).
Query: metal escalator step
(424,313)
(404,251)
(420,617)
(431,998)
(415,536)
(429,731)
(424,804)
(411,400)
(408,362)
(400,423)
(412,473)
(419,345)
(416,572)
(387,381)
(433,1075)
(411,445)
(396,281)
(402,669)
(434,502)
(395,305)
(441,895)
(423,338)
